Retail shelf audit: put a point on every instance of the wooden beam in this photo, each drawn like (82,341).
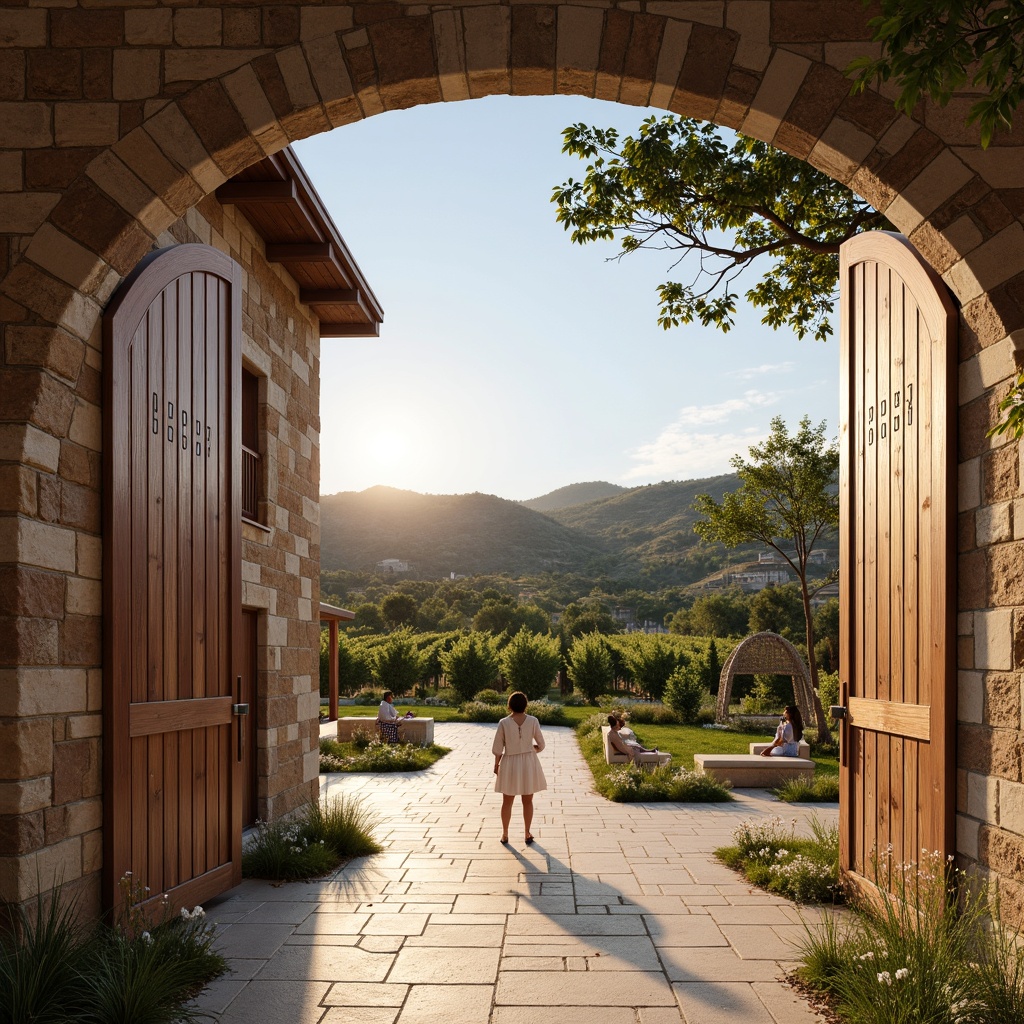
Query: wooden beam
(335,296)
(257,192)
(332,630)
(300,252)
(328,330)
(913,720)
(159,716)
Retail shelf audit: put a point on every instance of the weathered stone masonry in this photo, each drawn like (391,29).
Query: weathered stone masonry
(117,119)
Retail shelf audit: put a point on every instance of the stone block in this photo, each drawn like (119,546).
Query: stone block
(136,74)
(149,27)
(86,124)
(967,836)
(25,796)
(197,27)
(23,27)
(993,639)
(779,88)
(18,492)
(39,544)
(27,749)
(89,556)
(25,692)
(941,179)
(983,798)
(969,484)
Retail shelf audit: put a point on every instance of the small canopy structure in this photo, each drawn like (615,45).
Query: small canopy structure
(766,654)
(332,615)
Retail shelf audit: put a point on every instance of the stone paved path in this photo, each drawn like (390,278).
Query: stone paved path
(617,914)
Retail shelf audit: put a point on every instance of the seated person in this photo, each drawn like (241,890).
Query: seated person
(788,735)
(387,718)
(630,747)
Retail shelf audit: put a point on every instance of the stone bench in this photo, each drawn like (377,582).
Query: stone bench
(410,730)
(612,756)
(753,770)
(803,748)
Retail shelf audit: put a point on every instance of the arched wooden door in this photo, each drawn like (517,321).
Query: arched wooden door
(897,556)
(172,579)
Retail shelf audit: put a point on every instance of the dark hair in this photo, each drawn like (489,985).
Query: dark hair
(796,721)
(613,720)
(517,702)
(387,693)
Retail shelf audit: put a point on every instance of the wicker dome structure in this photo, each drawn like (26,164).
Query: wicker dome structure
(766,654)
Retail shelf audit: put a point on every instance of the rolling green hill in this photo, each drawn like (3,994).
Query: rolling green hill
(643,535)
(573,494)
(444,533)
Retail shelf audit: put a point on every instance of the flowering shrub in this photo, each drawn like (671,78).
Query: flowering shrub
(928,948)
(377,756)
(311,844)
(631,783)
(772,856)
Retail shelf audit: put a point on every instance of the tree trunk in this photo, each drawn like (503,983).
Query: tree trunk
(824,734)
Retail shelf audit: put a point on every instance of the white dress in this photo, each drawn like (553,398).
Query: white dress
(519,771)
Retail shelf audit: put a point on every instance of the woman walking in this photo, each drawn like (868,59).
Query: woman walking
(516,764)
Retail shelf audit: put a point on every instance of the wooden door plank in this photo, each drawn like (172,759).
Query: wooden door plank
(886,609)
(871,624)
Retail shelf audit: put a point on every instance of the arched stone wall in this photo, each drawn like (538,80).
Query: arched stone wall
(117,118)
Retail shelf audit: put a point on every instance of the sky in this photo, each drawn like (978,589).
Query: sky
(512,361)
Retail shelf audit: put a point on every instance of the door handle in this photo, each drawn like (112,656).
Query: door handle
(239,709)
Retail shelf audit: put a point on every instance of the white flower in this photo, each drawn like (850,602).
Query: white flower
(884,978)
(869,955)
(902,973)
(185,915)
(198,912)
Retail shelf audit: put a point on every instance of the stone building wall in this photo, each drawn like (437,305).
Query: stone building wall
(51,809)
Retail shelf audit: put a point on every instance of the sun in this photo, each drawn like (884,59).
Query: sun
(389,448)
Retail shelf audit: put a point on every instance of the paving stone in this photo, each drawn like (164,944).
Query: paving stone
(361,1015)
(566,1015)
(458,935)
(721,1003)
(546,905)
(485,904)
(433,965)
(720,963)
(785,1006)
(327,963)
(333,924)
(691,930)
(217,996)
(355,993)
(760,942)
(445,1004)
(618,988)
(381,943)
(280,913)
(395,924)
(568,924)
(750,914)
(297,1002)
(257,941)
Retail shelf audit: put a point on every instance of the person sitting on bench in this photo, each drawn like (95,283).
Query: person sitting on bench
(387,718)
(629,747)
(788,735)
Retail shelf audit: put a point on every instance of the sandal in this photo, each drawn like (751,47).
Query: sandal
(529,839)
(503,840)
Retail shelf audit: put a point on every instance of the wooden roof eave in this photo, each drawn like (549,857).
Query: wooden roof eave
(278,199)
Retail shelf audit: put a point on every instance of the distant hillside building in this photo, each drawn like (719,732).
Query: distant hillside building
(757,579)
(393,565)
(819,557)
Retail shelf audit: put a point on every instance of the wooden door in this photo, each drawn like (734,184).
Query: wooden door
(897,556)
(172,576)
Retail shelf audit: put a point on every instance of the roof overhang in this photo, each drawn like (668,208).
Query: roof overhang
(276,196)
(331,613)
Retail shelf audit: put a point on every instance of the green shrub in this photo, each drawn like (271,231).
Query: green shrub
(764,697)
(490,697)
(529,661)
(929,947)
(686,693)
(368,697)
(51,970)
(470,665)
(589,665)
(774,858)
(397,664)
(648,714)
(477,711)
(547,714)
(363,736)
(649,660)
(821,789)
(574,700)
(312,843)
(828,688)
(377,756)
(633,784)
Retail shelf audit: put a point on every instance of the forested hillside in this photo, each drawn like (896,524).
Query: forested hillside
(643,535)
(573,494)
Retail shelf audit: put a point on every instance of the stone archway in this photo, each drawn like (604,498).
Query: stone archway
(116,121)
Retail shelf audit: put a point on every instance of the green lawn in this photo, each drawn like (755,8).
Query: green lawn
(682,741)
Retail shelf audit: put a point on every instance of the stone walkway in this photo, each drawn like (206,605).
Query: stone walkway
(617,914)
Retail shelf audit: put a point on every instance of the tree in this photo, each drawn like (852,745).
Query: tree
(505,615)
(368,615)
(529,662)
(826,630)
(712,668)
(788,500)
(470,665)
(721,615)
(589,666)
(685,692)
(398,610)
(935,47)
(397,664)
(578,619)
(778,610)
(678,186)
(649,661)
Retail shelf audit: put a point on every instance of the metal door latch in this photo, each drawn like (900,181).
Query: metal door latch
(239,709)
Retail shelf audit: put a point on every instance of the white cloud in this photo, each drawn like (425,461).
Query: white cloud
(750,372)
(683,455)
(720,412)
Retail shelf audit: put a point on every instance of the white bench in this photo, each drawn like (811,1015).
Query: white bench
(753,770)
(612,756)
(803,748)
(410,730)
